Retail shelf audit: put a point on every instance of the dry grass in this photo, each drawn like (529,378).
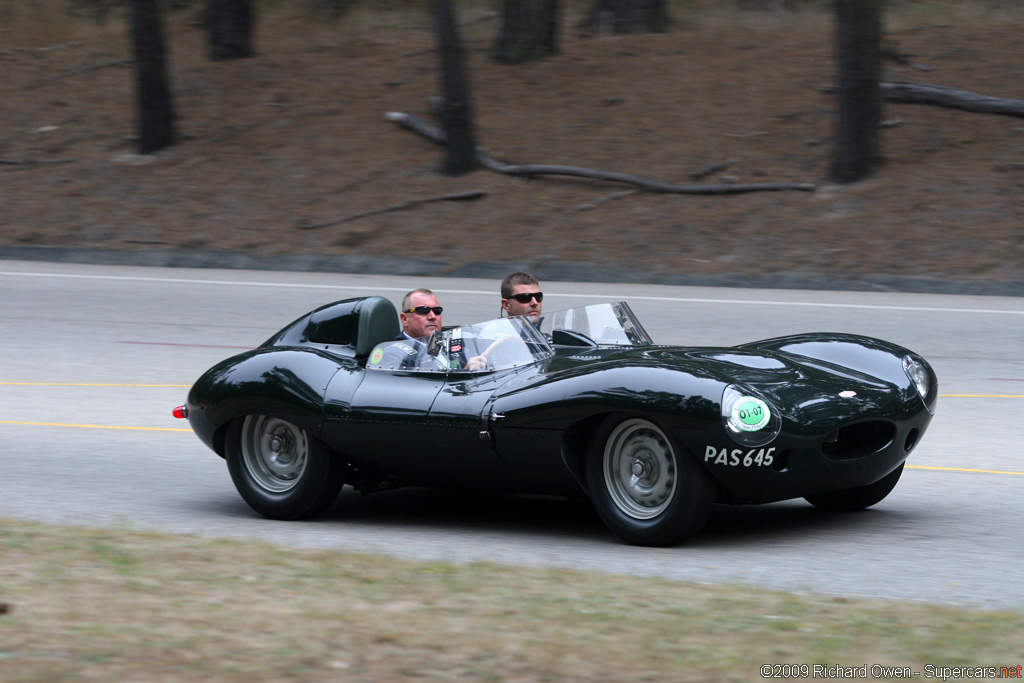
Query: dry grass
(116,605)
(296,136)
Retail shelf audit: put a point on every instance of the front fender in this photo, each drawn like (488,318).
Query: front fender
(686,395)
(874,357)
(284,383)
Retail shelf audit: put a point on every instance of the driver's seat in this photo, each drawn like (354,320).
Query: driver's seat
(378,322)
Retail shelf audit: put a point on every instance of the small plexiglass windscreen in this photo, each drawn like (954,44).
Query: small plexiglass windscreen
(494,345)
(607,324)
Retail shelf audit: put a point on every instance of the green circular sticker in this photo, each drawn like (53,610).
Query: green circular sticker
(750,414)
(376,356)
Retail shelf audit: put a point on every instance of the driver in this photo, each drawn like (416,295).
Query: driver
(421,317)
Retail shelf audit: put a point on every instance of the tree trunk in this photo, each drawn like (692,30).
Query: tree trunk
(627,16)
(456,112)
(154,107)
(230,29)
(858,38)
(529,31)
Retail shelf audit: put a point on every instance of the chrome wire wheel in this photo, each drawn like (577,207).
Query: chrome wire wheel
(639,468)
(275,452)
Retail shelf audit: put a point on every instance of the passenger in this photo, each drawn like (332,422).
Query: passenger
(521,295)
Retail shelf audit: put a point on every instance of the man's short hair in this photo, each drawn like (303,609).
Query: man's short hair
(511,281)
(407,299)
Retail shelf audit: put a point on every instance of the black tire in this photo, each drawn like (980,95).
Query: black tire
(644,486)
(281,471)
(849,500)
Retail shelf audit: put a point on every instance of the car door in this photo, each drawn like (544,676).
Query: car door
(418,425)
(382,416)
(462,419)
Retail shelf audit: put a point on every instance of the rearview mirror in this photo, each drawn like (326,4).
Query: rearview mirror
(434,343)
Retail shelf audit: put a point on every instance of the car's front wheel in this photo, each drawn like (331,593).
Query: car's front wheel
(857,498)
(280,470)
(643,486)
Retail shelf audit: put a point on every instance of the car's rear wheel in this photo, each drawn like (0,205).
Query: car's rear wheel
(848,500)
(645,488)
(281,471)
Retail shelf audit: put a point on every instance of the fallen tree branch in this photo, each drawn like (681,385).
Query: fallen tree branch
(85,69)
(417,125)
(457,197)
(712,168)
(601,200)
(34,162)
(941,96)
(530,170)
(421,127)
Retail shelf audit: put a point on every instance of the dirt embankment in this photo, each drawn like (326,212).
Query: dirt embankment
(296,137)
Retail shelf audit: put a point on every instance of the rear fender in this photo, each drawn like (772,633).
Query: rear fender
(285,383)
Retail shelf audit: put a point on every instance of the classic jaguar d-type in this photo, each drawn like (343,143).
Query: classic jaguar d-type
(583,405)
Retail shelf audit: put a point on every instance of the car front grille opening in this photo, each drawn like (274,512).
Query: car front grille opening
(911,440)
(781,461)
(858,440)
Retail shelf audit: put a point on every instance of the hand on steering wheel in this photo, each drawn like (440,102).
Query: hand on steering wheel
(480,362)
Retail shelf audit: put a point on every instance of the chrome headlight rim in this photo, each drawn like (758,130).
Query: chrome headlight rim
(749,418)
(921,378)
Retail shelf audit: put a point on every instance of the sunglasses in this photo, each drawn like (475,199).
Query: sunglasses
(423,310)
(525,297)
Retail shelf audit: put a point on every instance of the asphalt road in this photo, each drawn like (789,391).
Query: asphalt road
(93,359)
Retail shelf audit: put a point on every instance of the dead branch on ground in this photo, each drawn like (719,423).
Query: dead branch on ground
(85,69)
(712,168)
(457,197)
(941,96)
(609,198)
(34,162)
(435,135)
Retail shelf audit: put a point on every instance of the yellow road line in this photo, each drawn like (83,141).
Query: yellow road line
(185,386)
(86,426)
(180,429)
(86,384)
(981,395)
(962,469)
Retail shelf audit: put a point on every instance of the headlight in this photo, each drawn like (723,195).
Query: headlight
(921,378)
(749,419)
(918,374)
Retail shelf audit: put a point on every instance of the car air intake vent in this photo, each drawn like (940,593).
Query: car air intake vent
(858,440)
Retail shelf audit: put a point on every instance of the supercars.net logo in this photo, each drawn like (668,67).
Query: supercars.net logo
(876,671)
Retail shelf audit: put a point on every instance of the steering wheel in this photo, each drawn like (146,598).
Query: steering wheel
(495,344)
(487,352)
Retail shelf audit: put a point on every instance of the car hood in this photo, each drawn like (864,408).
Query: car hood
(803,386)
(808,391)
(767,368)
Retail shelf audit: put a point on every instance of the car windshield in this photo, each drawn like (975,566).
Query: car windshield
(492,345)
(608,324)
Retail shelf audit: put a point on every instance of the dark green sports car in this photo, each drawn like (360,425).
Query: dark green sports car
(584,405)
